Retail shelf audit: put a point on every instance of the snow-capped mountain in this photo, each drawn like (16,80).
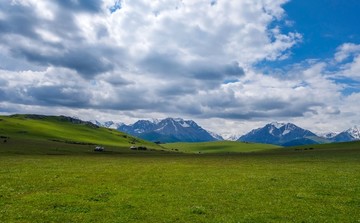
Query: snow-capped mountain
(139,127)
(231,137)
(352,134)
(328,135)
(107,124)
(278,134)
(216,136)
(169,130)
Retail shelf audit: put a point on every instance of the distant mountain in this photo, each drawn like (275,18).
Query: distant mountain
(138,128)
(278,134)
(231,137)
(216,136)
(328,135)
(107,124)
(169,130)
(351,134)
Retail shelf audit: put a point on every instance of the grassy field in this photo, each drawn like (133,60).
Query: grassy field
(219,147)
(29,134)
(56,181)
(285,186)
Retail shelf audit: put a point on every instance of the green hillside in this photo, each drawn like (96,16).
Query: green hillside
(39,133)
(219,147)
(355,145)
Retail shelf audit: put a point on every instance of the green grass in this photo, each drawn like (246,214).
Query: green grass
(42,180)
(219,147)
(53,134)
(310,186)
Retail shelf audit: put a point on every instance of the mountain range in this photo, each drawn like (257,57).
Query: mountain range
(276,133)
(352,134)
(180,130)
(288,134)
(166,130)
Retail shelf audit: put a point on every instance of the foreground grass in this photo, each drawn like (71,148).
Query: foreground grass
(302,186)
(219,147)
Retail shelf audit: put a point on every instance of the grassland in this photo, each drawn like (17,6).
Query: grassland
(33,134)
(297,184)
(307,186)
(219,147)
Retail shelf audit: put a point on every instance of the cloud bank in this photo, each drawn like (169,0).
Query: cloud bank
(195,59)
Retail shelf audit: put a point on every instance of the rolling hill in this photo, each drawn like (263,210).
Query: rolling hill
(60,134)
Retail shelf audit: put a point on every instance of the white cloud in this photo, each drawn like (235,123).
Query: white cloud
(155,59)
(348,57)
(346,50)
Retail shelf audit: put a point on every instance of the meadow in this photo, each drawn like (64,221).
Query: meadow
(306,186)
(56,181)
(218,147)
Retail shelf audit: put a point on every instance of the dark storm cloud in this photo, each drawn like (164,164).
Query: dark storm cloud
(86,62)
(59,95)
(101,31)
(217,72)
(230,108)
(115,80)
(72,52)
(18,20)
(268,104)
(2,95)
(129,98)
(162,64)
(172,66)
(254,114)
(47,95)
(176,89)
(23,20)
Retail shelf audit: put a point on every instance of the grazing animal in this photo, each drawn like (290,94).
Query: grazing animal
(99,149)
(138,148)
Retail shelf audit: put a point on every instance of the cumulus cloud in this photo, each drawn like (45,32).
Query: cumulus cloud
(184,58)
(346,50)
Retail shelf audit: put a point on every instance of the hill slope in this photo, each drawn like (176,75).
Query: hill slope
(219,147)
(49,132)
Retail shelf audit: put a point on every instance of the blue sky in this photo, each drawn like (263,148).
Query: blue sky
(230,65)
(324,24)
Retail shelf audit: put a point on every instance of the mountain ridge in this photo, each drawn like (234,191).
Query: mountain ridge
(169,130)
(278,133)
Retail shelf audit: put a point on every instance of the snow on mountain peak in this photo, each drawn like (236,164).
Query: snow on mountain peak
(107,124)
(277,124)
(178,119)
(328,135)
(231,136)
(215,136)
(155,121)
(354,132)
(184,124)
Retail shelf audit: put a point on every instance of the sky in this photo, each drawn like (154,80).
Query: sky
(231,66)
